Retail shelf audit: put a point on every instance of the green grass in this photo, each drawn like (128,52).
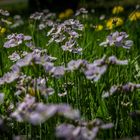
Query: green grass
(82,94)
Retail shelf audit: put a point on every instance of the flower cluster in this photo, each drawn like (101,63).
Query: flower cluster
(82,131)
(134,16)
(45,18)
(2,30)
(81,11)
(15,40)
(129,87)
(17,21)
(10,76)
(16,56)
(67,33)
(27,84)
(114,22)
(4,12)
(95,70)
(37,57)
(118,39)
(66,14)
(36,113)
(117,9)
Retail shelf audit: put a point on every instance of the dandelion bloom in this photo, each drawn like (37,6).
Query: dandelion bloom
(134,16)
(61,15)
(99,27)
(2,30)
(68,13)
(117,10)
(114,22)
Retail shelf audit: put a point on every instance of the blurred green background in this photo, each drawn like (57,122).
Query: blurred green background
(23,6)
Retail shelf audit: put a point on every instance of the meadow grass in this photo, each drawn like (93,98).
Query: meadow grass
(121,109)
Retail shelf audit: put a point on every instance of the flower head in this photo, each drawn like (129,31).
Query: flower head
(99,27)
(2,30)
(114,22)
(134,16)
(66,14)
(117,10)
(118,39)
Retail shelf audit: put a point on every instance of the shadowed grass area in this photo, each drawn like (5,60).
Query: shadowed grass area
(14,6)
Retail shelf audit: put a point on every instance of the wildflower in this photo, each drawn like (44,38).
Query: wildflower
(118,39)
(112,90)
(114,60)
(83,131)
(69,45)
(99,27)
(129,87)
(25,61)
(76,64)
(117,9)
(58,71)
(102,17)
(17,21)
(68,12)
(2,30)
(67,33)
(6,21)
(4,12)
(10,76)
(36,16)
(48,67)
(14,57)
(36,113)
(81,11)
(134,16)
(61,15)
(15,40)
(114,22)
(94,72)
(62,94)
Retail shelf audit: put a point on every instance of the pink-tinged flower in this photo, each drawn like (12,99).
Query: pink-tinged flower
(129,87)
(113,60)
(58,71)
(36,113)
(15,40)
(10,76)
(82,130)
(67,33)
(118,39)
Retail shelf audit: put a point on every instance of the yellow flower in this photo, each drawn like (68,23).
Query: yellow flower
(2,30)
(68,13)
(114,22)
(117,10)
(99,27)
(134,16)
(61,15)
